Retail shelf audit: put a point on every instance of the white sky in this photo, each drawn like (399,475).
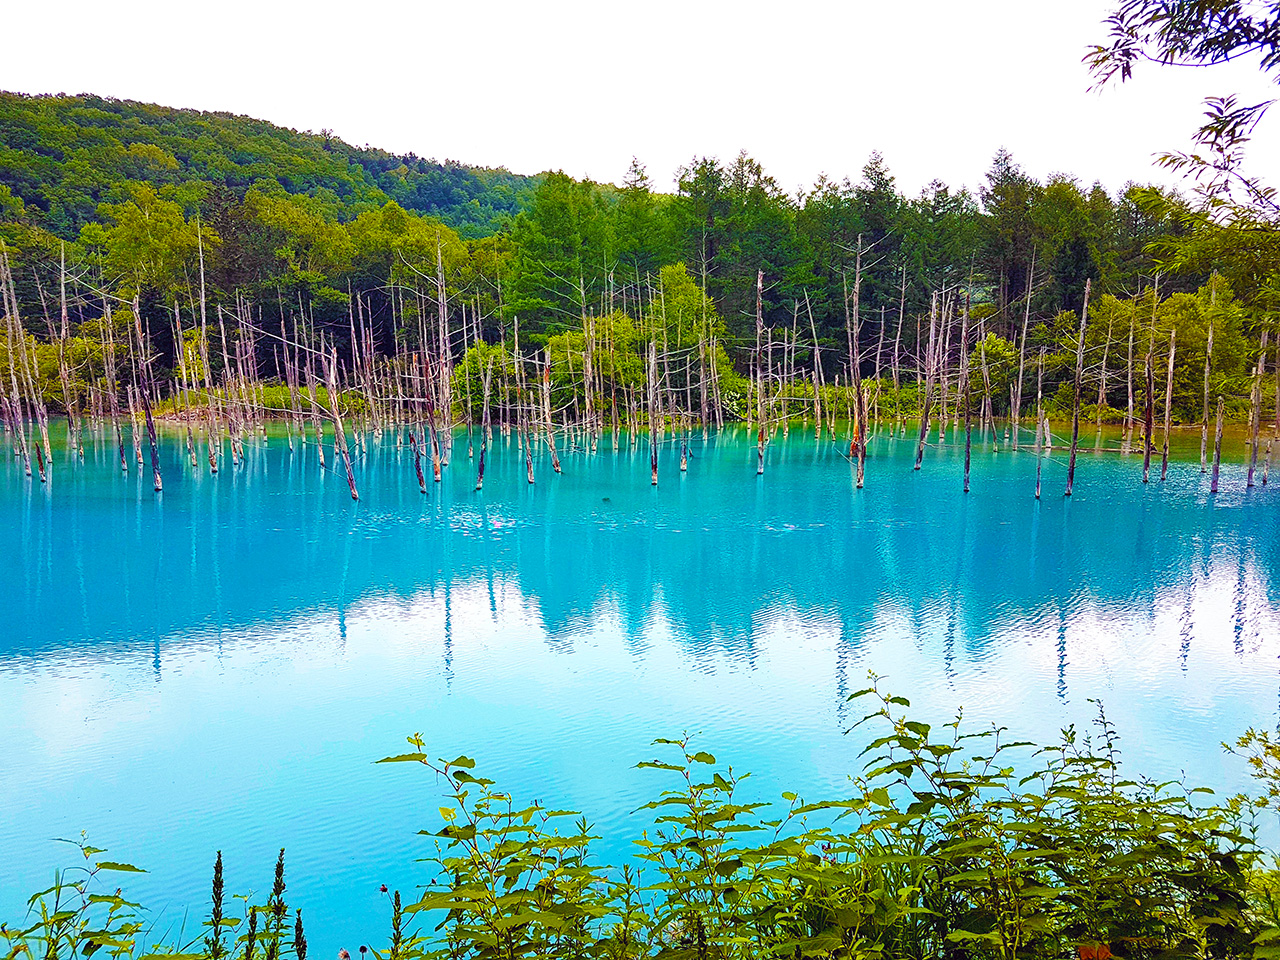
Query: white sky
(803,86)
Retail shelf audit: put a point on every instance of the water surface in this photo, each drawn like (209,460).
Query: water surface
(218,667)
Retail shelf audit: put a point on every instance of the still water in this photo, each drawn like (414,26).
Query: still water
(218,667)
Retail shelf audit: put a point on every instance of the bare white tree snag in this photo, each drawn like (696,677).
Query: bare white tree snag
(1075,406)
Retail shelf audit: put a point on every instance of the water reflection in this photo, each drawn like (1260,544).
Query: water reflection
(101,560)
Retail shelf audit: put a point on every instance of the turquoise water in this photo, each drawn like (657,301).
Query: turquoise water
(218,667)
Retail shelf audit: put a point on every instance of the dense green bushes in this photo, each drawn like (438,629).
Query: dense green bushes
(954,843)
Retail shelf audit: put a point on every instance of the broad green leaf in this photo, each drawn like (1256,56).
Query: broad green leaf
(404,758)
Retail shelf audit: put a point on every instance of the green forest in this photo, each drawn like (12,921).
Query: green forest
(63,157)
(113,206)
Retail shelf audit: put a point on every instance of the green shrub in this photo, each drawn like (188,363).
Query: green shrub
(953,843)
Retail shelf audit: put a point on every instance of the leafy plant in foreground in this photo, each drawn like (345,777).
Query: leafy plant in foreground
(508,885)
(953,843)
(71,918)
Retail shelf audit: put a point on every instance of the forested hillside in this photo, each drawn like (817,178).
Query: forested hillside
(151,209)
(62,157)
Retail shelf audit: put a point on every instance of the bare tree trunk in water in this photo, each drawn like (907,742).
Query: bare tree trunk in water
(964,390)
(1208,364)
(1075,406)
(1217,450)
(1168,408)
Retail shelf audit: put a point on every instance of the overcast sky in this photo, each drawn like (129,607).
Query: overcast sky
(805,87)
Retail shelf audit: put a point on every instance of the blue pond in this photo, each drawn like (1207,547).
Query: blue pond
(218,667)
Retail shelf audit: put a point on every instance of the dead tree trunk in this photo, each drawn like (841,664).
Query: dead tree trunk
(1168,408)
(1208,364)
(339,434)
(1147,418)
(927,399)
(1217,449)
(484,421)
(145,361)
(1255,409)
(546,411)
(964,390)
(760,434)
(1042,421)
(1016,414)
(1075,405)
(1128,417)
(853,323)
(653,412)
